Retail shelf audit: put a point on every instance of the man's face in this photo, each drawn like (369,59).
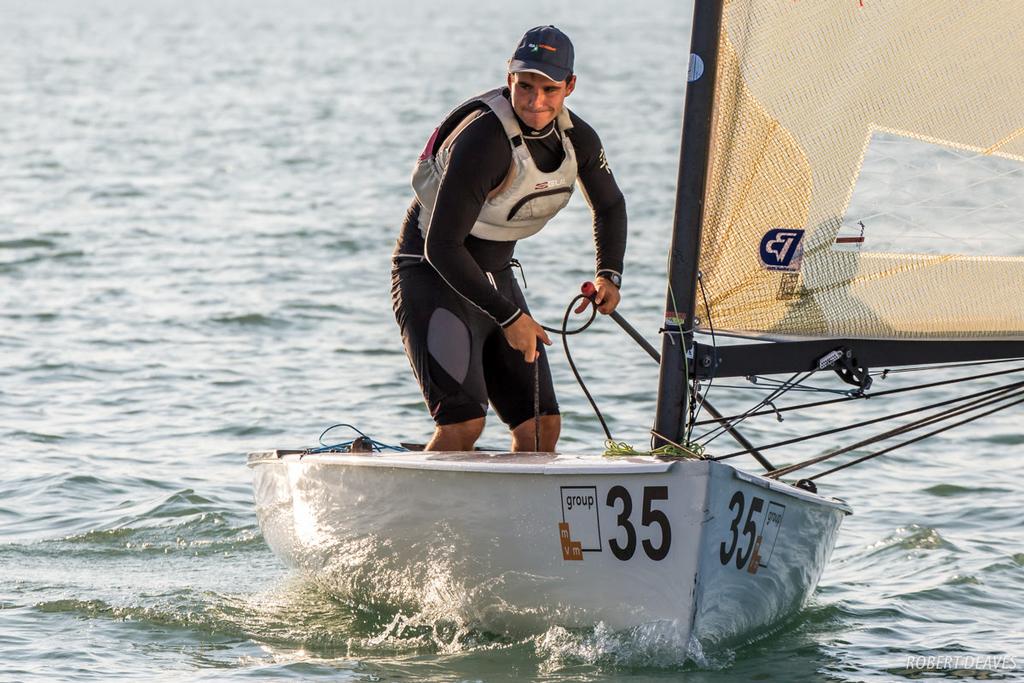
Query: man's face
(537,99)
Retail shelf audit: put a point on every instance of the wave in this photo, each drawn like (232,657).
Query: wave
(914,537)
(299,617)
(181,609)
(182,522)
(251,320)
(119,191)
(950,490)
(37,258)
(27,243)
(36,437)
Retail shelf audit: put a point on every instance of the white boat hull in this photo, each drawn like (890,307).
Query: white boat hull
(514,542)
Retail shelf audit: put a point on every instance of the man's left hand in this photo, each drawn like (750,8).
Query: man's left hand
(607,297)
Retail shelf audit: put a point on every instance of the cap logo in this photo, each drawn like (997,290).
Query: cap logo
(541,46)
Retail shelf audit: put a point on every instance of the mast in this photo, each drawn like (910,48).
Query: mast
(682,276)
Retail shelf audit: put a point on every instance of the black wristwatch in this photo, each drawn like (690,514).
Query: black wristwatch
(612,277)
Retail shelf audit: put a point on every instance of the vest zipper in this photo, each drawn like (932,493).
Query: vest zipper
(518,205)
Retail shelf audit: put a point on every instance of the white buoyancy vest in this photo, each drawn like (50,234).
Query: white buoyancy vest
(525,201)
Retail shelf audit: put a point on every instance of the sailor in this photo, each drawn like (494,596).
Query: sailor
(495,171)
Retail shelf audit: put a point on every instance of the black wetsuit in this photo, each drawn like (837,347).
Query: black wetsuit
(450,309)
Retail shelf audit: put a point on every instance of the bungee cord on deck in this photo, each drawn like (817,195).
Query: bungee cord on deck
(361,443)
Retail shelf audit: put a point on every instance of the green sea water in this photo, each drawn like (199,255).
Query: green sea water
(198,203)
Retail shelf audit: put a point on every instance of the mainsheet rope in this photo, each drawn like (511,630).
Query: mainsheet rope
(612,447)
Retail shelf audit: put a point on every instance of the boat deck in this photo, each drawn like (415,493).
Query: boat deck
(495,462)
(481,461)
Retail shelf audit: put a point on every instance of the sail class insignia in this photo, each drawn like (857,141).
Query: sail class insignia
(782,249)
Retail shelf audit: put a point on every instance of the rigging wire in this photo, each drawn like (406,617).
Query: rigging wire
(713,434)
(714,349)
(1000,395)
(864,423)
(776,388)
(917,438)
(757,380)
(922,368)
(887,392)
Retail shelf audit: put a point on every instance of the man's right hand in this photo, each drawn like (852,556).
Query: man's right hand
(522,335)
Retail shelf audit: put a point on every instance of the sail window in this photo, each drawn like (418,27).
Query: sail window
(918,197)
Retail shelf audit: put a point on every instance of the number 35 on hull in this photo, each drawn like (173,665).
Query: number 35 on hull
(526,541)
(751,549)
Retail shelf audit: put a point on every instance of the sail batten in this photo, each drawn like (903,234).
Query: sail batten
(866,172)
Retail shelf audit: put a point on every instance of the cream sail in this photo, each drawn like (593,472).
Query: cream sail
(804,90)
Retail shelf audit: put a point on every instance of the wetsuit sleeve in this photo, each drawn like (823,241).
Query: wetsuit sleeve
(479,161)
(603,194)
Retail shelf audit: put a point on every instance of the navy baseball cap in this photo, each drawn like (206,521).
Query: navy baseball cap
(544,50)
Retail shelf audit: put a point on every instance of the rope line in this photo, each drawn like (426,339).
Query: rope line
(564,333)
(346,446)
(714,347)
(1000,395)
(918,438)
(865,423)
(887,392)
(713,434)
